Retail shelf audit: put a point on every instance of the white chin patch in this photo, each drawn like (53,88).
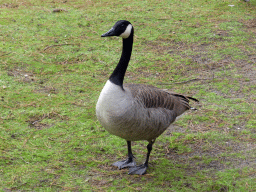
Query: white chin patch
(127,32)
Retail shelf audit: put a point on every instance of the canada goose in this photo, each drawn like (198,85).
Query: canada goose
(135,111)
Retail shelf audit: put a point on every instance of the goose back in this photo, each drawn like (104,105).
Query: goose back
(153,97)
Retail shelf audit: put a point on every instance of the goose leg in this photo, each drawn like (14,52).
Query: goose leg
(129,162)
(141,169)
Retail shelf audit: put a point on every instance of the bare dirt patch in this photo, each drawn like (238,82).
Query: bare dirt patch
(46,89)
(222,33)
(219,155)
(9,5)
(36,121)
(199,54)
(248,70)
(250,23)
(22,75)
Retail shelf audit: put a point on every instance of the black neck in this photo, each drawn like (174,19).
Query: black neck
(117,76)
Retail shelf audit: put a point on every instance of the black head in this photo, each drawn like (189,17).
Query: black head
(121,28)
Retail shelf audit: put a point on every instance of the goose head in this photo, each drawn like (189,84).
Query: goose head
(121,28)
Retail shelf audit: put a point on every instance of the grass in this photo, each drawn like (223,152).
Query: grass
(54,64)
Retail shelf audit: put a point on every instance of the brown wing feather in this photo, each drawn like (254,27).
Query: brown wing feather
(153,97)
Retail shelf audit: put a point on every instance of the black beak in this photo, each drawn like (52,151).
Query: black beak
(111,32)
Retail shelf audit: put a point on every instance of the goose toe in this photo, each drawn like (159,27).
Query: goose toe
(124,163)
(138,170)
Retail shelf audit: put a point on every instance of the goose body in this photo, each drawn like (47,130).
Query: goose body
(135,111)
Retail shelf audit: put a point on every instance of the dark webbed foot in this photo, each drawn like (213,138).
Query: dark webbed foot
(125,163)
(141,169)
(138,170)
(129,162)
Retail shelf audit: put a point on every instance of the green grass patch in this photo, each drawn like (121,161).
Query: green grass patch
(54,65)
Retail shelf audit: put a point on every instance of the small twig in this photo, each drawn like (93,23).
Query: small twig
(58,45)
(196,79)
(162,18)
(59,10)
(5,54)
(182,82)
(24,160)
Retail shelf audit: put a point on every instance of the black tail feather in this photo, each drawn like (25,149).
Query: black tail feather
(193,99)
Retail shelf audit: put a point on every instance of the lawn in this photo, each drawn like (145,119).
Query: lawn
(53,65)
